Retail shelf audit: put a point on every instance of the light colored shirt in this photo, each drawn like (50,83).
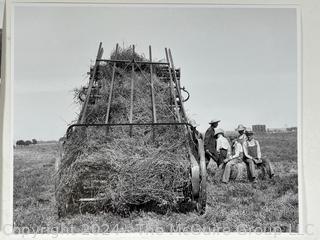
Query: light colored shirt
(223,143)
(251,143)
(237,148)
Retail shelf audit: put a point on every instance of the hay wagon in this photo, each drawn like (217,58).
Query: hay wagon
(131,103)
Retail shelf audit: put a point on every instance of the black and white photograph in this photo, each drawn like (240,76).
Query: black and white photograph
(155,118)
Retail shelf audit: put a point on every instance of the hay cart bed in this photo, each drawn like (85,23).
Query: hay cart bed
(132,146)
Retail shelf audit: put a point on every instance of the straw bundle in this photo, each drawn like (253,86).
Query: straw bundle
(124,172)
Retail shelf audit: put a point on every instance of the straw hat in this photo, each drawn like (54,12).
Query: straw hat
(249,132)
(240,128)
(214,121)
(219,130)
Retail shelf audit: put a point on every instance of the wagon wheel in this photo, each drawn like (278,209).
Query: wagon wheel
(202,201)
(195,176)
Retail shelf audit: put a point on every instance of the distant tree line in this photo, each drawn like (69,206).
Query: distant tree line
(292,129)
(26,143)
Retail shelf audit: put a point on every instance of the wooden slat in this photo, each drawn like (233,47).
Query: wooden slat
(178,90)
(82,116)
(154,116)
(103,80)
(111,86)
(129,61)
(100,53)
(172,88)
(177,86)
(154,113)
(132,91)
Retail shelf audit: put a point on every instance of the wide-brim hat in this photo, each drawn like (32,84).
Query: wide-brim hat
(249,132)
(219,130)
(214,121)
(240,128)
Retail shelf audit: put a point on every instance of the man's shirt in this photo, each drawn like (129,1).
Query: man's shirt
(210,141)
(252,143)
(223,143)
(238,151)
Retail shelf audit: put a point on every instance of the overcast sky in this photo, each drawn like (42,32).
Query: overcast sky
(239,64)
(1,11)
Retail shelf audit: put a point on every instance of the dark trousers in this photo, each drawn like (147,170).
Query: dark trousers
(217,157)
(251,168)
(214,156)
(222,156)
(207,159)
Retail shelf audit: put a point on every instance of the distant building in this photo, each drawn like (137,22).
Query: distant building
(277,130)
(259,128)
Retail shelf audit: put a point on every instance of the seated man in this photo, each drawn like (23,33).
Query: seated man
(236,157)
(223,146)
(241,130)
(252,157)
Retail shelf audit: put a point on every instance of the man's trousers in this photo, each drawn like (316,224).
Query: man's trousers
(251,168)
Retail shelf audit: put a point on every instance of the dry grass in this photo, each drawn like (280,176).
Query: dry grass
(270,203)
(132,173)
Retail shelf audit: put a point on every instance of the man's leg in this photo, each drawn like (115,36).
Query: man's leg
(213,157)
(248,171)
(207,158)
(251,169)
(227,170)
(267,166)
(222,156)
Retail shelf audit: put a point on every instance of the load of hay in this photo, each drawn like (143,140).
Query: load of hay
(125,173)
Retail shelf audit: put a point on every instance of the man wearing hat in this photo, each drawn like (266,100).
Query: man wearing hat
(210,141)
(252,157)
(223,146)
(242,136)
(195,133)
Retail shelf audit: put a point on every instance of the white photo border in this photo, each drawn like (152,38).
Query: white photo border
(309,224)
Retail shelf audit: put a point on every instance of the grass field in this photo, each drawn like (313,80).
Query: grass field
(269,205)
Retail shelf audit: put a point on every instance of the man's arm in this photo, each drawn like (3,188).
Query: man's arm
(229,148)
(206,139)
(218,144)
(237,151)
(258,150)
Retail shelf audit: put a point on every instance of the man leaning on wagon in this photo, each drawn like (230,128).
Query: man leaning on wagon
(210,142)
